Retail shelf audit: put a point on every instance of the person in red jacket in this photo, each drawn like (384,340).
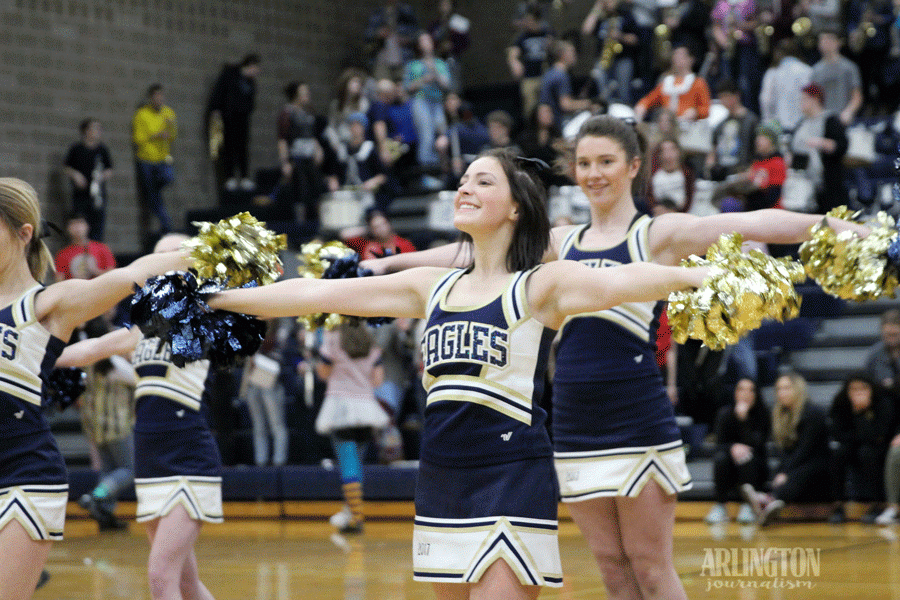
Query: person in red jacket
(83,258)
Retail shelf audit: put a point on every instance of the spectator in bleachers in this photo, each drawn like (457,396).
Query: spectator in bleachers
(733,23)
(499,125)
(88,166)
(759,186)
(742,431)
(861,419)
(232,100)
(301,148)
(466,135)
(390,38)
(818,146)
(450,33)
(779,98)
(838,77)
(263,392)
(357,164)
(733,139)
(680,90)
(427,80)
(556,84)
(673,179)
(527,56)
(883,362)
(688,23)
(800,432)
(350,413)
(394,131)
(350,98)
(83,258)
(381,239)
(153,129)
(868,39)
(616,32)
(540,139)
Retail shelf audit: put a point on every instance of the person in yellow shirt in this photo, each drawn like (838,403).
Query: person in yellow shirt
(154,128)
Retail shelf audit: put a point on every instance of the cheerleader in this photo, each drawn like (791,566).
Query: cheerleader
(35,323)
(619,455)
(486,497)
(177,464)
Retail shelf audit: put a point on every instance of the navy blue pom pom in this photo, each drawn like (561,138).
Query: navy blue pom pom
(64,387)
(893,252)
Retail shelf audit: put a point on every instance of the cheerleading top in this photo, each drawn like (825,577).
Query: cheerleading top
(168,397)
(484,375)
(27,355)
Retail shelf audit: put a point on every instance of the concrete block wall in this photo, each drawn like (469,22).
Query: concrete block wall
(64,60)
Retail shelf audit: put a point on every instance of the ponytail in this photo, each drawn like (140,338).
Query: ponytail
(19,205)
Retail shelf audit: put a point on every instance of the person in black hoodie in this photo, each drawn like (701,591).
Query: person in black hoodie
(232,101)
(742,431)
(800,431)
(860,421)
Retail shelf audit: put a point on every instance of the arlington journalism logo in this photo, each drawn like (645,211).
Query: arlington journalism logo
(761,568)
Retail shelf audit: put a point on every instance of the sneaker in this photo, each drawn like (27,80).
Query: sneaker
(231,185)
(770,512)
(341,519)
(717,514)
(351,529)
(752,498)
(870,515)
(745,515)
(837,516)
(887,517)
(104,517)
(247,185)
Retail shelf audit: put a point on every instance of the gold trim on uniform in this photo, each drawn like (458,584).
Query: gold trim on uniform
(200,496)
(39,509)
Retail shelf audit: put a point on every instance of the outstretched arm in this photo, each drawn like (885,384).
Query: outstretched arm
(65,305)
(565,288)
(87,352)
(399,295)
(677,236)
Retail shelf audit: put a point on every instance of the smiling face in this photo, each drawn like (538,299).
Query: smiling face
(603,170)
(483,200)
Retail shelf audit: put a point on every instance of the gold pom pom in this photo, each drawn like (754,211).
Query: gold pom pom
(740,292)
(315,260)
(238,250)
(849,267)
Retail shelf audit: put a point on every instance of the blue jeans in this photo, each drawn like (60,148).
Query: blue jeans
(430,121)
(152,178)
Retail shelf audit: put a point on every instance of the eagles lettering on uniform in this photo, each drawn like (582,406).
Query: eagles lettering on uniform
(159,378)
(463,340)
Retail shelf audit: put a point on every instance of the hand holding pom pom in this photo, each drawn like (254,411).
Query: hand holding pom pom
(740,291)
(65,386)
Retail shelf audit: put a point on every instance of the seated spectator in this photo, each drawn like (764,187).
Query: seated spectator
(883,362)
(800,432)
(358,165)
(680,91)
(539,139)
(760,185)
(301,148)
(742,431)
(733,138)
(466,135)
(83,258)
(861,418)
(673,179)
(378,239)
(394,132)
(499,125)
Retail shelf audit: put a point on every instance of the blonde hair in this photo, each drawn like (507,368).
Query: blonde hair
(784,419)
(19,205)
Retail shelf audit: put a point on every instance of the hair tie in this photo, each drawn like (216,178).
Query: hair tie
(46,226)
(536,163)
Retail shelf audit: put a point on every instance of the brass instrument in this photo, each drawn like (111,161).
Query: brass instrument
(764,35)
(856,39)
(803,31)
(612,47)
(216,136)
(662,33)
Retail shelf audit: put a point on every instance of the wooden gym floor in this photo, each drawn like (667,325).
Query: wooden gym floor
(282,551)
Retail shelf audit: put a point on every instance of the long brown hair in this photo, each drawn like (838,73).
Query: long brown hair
(356,340)
(784,419)
(19,205)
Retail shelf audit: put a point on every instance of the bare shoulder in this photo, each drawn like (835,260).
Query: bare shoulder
(557,235)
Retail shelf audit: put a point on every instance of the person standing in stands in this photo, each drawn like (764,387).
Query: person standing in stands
(154,128)
(232,101)
(88,166)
